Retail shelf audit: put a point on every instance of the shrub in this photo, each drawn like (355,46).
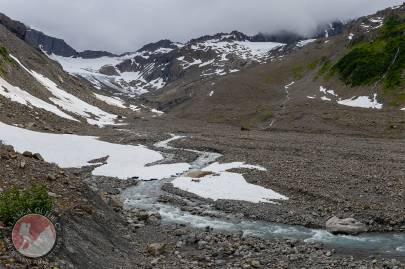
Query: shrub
(3,52)
(297,72)
(17,201)
(314,64)
(381,59)
(4,55)
(394,26)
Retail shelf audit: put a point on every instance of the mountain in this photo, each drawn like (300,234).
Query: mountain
(190,79)
(288,37)
(190,155)
(304,82)
(157,64)
(35,91)
(50,45)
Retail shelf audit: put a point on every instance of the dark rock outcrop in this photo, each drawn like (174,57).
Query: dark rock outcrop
(289,37)
(91,54)
(285,37)
(49,44)
(333,29)
(15,27)
(165,43)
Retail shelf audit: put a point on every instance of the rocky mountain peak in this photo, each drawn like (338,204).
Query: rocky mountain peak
(162,44)
(50,45)
(16,27)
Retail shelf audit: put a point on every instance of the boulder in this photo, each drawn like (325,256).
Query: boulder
(38,157)
(156,249)
(199,174)
(350,226)
(28,154)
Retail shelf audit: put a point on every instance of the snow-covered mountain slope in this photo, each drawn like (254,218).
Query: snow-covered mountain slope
(263,96)
(36,92)
(157,64)
(231,78)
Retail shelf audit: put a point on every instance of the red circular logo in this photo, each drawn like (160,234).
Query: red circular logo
(34,236)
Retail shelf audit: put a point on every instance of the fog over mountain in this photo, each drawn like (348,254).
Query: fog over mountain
(99,24)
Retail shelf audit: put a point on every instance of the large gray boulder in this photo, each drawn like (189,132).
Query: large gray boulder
(350,226)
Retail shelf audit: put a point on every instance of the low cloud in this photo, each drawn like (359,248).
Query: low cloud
(126,25)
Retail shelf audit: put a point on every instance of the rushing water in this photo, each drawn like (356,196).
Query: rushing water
(145,196)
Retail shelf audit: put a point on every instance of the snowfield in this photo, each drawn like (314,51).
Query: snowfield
(362,101)
(65,150)
(257,51)
(227,185)
(17,95)
(355,101)
(129,161)
(90,70)
(144,63)
(71,103)
(303,43)
(112,101)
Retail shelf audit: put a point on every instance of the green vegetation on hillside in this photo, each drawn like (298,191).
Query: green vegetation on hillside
(297,72)
(4,58)
(314,64)
(325,68)
(382,59)
(263,113)
(4,55)
(3,52)
(16,201)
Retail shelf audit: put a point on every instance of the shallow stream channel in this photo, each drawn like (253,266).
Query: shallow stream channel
(145,195)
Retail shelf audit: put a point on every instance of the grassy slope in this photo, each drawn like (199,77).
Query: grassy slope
(379,61)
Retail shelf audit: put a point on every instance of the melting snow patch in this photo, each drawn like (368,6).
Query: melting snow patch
(303,43)
(244,49)
(71,103)
(187,65)
(124,161)
(156,111)
(15,94)
(359,101)
(113,101)
(207,63)
(90,69)
(134,108)
(227,185)
(162,50)
(378,20)
(326,91)
(362,101)
(289,85)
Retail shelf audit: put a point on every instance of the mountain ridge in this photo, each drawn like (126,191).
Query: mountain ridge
(60,47)
(216,101)
(45,42)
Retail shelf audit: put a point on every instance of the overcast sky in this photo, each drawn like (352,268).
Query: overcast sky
(126,25)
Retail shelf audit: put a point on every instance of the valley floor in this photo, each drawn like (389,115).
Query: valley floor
(323,175)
